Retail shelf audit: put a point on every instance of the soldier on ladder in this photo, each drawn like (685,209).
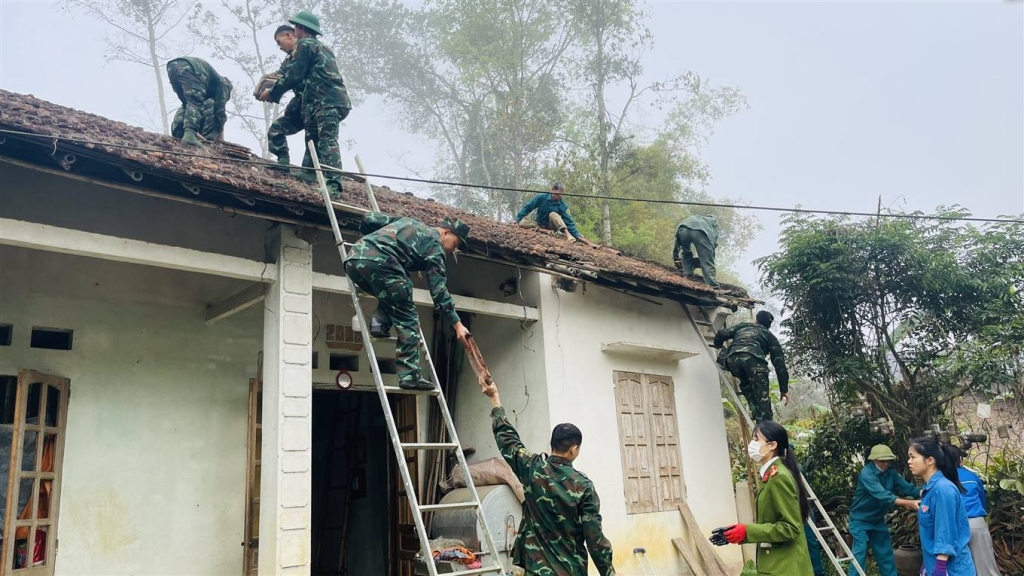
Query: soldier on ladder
(380,263)
(745,360)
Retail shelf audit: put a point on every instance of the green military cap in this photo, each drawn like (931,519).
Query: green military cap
(307,20)
(881,452)
(458,227)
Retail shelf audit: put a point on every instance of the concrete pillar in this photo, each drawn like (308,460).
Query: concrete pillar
(285,480)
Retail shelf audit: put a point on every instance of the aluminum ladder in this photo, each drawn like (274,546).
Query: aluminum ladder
(707,330)
(382,392)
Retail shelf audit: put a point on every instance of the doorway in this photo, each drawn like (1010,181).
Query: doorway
(353,492)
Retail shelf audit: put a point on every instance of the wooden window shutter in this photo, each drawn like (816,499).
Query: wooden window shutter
(635,443)
(665,441)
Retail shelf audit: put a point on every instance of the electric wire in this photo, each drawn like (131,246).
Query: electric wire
(437,182)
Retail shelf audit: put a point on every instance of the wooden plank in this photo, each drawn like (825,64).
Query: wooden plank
(78,243)
(691,559)
(715,566)
(254,294)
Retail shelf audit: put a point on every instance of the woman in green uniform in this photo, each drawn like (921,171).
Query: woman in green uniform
(781,508)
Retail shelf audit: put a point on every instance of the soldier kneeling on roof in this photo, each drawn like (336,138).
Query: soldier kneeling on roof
(204,95)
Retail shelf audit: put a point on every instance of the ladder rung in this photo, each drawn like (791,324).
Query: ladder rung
(429,446)
(397,390)
(495,568)
(455,506)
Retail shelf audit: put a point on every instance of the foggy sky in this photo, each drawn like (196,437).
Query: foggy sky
(921,103)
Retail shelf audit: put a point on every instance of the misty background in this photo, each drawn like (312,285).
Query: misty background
(823,105)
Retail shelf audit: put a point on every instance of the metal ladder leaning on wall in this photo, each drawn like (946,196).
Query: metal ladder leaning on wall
(820,532)
(382,392)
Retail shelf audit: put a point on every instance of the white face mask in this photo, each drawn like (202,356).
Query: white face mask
(754,451)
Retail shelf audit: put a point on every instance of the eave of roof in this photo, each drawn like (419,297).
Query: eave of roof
(115,152)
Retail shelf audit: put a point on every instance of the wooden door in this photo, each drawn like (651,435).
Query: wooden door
(36,460)
(254,445)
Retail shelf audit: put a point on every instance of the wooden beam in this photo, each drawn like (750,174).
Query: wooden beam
(692,562)
(254,294)
(712,562)
(89,244)
(339,285)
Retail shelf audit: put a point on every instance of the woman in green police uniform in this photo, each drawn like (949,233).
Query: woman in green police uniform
(781,508)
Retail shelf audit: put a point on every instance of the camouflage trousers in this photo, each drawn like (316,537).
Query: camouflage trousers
(393,289)
(289,123)
(705,252)
(752,373)
(322,129)
(197,111)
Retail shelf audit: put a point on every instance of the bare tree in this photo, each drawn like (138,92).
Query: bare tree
(614,42)
(142,34)
(242,32)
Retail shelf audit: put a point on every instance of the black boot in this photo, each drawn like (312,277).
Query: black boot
(379,328)
(416,384)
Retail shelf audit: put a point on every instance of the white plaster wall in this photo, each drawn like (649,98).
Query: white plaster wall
(47,199)
(514,353)
(154,466)
(580,390)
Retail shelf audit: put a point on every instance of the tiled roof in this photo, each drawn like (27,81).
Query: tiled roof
(219,167)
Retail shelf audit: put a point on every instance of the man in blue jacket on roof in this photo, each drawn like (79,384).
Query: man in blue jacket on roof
(552,214)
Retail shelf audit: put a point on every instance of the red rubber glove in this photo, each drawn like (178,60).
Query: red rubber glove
(940,568)
(736,534)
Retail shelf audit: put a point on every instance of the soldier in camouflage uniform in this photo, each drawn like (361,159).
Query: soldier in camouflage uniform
(702,233)
(204,95)
(325,101)
(290,122)
(561,513)
(745,359)
(380,263)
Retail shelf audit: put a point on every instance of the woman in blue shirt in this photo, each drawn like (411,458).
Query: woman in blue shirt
(976,502)
(941,517)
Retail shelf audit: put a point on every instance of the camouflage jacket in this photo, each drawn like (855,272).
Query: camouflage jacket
(757,341)
(315,77)
(561,514)
(218,88)
(413,246)
(287,65)
(708,226)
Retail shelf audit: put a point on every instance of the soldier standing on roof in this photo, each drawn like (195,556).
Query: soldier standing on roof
(204,95)
(552,214)
(702,233)
(325,101)
(290,122)
(380,263)
(745,359)
(561,513)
